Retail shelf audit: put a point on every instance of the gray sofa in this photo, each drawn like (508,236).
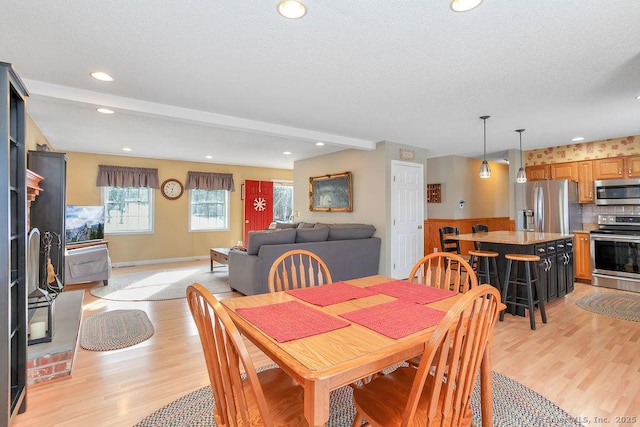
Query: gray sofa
(349,250)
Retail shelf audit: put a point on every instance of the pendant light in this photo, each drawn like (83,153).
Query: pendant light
(485,171)
(522,175)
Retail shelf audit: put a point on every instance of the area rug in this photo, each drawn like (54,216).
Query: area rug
(513,405)
(116,329)
(618,305)
(160,284)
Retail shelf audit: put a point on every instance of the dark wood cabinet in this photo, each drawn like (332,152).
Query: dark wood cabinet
(13,249)
(47,211)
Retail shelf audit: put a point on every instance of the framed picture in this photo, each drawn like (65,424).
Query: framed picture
(331,193)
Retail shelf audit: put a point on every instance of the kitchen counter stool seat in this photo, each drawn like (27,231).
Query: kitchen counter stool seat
(480,260)
(510,287)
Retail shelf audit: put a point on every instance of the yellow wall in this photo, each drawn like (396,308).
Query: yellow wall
(34,135)
(484,198)
(616,147)
(171,238)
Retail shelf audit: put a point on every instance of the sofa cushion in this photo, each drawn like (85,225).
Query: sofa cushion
(281,225)
(269,237)
(319,234)
(350,231)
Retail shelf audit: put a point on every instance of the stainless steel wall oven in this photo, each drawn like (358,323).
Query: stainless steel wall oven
(615,252)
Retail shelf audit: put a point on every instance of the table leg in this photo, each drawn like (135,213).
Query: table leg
(486,389)
(316,403)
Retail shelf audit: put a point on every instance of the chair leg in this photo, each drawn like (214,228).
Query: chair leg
(505,287)
(543,314)
(496,272)
(487,272)
(532,313)
(357,422)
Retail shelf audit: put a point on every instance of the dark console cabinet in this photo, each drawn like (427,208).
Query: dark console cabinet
(13,242)
(47,211)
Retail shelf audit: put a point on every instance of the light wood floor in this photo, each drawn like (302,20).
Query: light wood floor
(586,363)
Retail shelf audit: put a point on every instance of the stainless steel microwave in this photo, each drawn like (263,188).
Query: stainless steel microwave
(617,192)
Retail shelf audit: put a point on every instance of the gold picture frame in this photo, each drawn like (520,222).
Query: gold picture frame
(331,193)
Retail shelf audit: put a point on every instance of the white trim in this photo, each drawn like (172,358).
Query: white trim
(159,261)
(43,90)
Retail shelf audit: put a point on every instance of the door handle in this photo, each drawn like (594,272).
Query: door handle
(419,227)
(629,171)
(620,171)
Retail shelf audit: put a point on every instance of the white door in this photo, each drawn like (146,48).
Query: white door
(407,217)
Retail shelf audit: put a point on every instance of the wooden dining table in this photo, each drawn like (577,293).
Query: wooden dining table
(327,361)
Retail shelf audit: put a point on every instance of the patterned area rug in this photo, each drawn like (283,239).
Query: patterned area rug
(116,329)
(513,405)
(161,284)
(619,305)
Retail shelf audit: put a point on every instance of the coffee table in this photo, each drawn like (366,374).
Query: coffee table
(219,255)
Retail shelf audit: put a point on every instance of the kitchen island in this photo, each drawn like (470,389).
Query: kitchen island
(555,268)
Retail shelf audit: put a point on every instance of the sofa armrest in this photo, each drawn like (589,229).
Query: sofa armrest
(244,272)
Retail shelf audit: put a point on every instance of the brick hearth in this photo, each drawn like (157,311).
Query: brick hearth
(54,360)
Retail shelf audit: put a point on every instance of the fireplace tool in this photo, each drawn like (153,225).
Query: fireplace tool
(50,280)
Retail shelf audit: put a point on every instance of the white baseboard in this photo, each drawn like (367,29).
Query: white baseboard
(158,261)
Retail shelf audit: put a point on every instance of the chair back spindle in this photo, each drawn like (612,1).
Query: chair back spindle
(297,269)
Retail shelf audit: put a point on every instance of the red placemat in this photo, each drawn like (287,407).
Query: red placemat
(396,319)
(290,320)
(420,294)
(330,294)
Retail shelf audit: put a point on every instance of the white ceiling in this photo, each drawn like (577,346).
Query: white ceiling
(234,80)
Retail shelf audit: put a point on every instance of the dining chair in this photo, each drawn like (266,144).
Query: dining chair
(270,396)
(409,396)
(297,268)
(449,245)
(478,228)
(444,270)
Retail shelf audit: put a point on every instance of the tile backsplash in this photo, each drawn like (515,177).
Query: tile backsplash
(590,212)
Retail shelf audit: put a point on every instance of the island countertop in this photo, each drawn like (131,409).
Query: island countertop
(510,237)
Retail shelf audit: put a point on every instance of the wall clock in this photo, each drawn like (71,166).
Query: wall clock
(171,189)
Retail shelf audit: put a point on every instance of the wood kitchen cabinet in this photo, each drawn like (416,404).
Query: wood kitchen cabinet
(582,255)
(609,168)
(537,172)
(568,170)
(632,166)
(585,181)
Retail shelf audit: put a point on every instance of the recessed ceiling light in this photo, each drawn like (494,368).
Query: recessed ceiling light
(292,9)
(104,110)
(286,153)
(208,157)
(638,97)
(578,138)
(127,149)
(319,144)
(464,5)
(102,76)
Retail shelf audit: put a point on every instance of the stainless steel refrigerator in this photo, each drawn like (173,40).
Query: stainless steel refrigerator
(548,206)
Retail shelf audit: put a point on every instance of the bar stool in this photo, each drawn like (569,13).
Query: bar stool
(480,260)
(529,281)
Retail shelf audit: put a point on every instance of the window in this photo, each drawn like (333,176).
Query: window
(282,202)
(209,210)
(128,209)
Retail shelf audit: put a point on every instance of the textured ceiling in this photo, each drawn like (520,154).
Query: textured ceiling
(234,80)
